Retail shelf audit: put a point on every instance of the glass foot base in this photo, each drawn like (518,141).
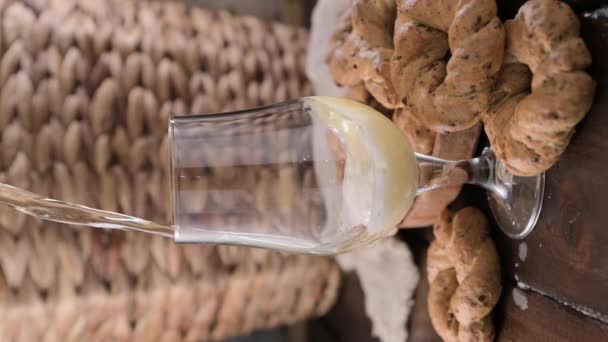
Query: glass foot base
(516,202)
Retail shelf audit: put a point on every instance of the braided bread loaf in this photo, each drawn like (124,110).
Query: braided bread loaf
(529,128)
(361,51)
(339,55)
(372,36)
(448,97)
(464,276)
(407,68)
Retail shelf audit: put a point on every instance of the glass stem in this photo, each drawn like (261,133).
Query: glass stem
(436,173)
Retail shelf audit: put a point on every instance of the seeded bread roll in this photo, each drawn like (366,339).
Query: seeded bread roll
(464,276)
(542,90)
(446,95)
(373,22)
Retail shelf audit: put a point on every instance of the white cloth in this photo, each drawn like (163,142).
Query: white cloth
(324,18)
(388,277)
(385,268)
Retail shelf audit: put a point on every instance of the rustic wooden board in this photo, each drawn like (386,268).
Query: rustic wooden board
(346,321)
(534,317)
(566,256)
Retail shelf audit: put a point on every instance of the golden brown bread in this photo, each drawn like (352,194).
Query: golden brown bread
(338,58)
(418,135)
(361,47)
(399,55)
(464,276)
(542,91)
(444,285)
(372,46)
(447,95)
(358,60)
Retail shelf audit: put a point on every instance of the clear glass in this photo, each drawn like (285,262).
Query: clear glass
(316,175)
(278,177)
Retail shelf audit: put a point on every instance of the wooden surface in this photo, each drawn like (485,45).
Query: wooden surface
(534,317)
(564,261)
(346,321)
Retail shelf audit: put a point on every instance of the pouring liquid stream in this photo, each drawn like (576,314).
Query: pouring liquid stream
(57,211)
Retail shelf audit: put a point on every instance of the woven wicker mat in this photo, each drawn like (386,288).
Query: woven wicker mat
(86,89)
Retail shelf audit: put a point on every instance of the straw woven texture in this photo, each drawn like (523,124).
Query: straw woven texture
(86,89)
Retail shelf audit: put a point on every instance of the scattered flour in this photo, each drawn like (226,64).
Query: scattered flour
(523,251)
(584,310)
(573,219)
(520,299)
(598,13)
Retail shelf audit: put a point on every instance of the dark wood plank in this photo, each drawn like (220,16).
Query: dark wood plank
(566,255)
(346,321)
(533,317)
(420,328)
